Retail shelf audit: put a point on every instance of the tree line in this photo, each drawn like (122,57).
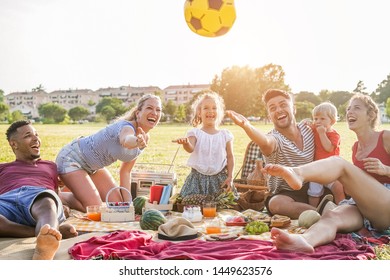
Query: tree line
(241,87)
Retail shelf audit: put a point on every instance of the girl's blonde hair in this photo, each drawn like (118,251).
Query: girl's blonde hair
(132,114)
(326,108)
(371,106)
(196,107)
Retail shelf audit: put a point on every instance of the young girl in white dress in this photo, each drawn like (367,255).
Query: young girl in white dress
(211,148)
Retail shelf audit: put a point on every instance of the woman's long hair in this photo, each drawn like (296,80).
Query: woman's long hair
(132,114)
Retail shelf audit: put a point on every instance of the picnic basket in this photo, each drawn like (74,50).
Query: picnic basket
(252,186)
(118,211)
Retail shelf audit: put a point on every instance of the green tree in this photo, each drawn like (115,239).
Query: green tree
(170,108)
(78,113)
(303,110)
(1,95)
(324,95)
(16,116)
(388,107)
(108,113)
(52,113)
(307,96)
(340,97)
(383,90)
(115,103)
(91,102)
(242,87)
(237,85)
(342,110)
(360,88)
(180,114)
(39,88)
(4,111)
(267,77)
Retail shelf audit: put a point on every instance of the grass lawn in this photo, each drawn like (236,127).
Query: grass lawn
(160,150)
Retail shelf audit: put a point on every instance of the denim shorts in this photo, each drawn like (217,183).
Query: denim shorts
(70,159)
(16,205)
(351,201)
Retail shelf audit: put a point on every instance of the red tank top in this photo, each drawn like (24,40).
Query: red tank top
(378,152)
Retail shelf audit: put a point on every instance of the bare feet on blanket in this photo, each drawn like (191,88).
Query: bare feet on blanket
(287,173)
(48,242)
(290,242)
(68,231)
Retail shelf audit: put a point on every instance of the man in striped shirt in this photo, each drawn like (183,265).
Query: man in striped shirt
(289,143)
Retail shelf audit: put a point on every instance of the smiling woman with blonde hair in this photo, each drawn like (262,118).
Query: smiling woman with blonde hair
(81,164)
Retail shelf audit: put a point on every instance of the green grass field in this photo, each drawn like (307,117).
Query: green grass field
(161,150)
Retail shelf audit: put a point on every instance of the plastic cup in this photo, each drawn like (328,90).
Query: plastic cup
(209,210)
(94,213)
(213,226)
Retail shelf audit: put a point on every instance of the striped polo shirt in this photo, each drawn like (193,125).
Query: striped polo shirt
(288,154)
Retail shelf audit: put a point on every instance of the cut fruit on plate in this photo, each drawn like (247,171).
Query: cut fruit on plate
(235,221)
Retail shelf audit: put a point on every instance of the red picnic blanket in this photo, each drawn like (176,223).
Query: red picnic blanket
(138,245)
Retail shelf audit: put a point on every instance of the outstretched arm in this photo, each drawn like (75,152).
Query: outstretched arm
(267,143)
(131,141)
(187,142)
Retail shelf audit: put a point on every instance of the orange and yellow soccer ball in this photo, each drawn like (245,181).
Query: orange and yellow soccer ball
(210,18)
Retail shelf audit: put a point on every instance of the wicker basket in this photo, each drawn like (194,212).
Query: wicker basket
(244,184)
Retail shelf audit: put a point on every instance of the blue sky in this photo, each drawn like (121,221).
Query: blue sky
(62,44)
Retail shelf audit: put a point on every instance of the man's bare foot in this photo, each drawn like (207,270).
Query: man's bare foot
(290,242)
(287,173)
(68,231)
(48,241)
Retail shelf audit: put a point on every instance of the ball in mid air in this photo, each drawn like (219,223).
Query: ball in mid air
(210,18)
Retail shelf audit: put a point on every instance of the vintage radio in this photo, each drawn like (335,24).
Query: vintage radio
(144,176)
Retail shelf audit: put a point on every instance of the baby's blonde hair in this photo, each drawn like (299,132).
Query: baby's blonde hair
(326,108)
(196,107)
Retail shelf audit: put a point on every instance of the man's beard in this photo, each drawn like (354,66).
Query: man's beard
(35,156)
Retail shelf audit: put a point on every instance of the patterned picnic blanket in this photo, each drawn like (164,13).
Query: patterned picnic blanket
(357,245)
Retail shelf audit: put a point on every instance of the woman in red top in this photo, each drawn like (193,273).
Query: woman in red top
(367,181)
(371,151)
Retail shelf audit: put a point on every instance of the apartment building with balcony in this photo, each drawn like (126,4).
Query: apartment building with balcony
(28,102)
(182,94)
(127,94)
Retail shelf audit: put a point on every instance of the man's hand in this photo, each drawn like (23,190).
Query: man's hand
(237,118)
